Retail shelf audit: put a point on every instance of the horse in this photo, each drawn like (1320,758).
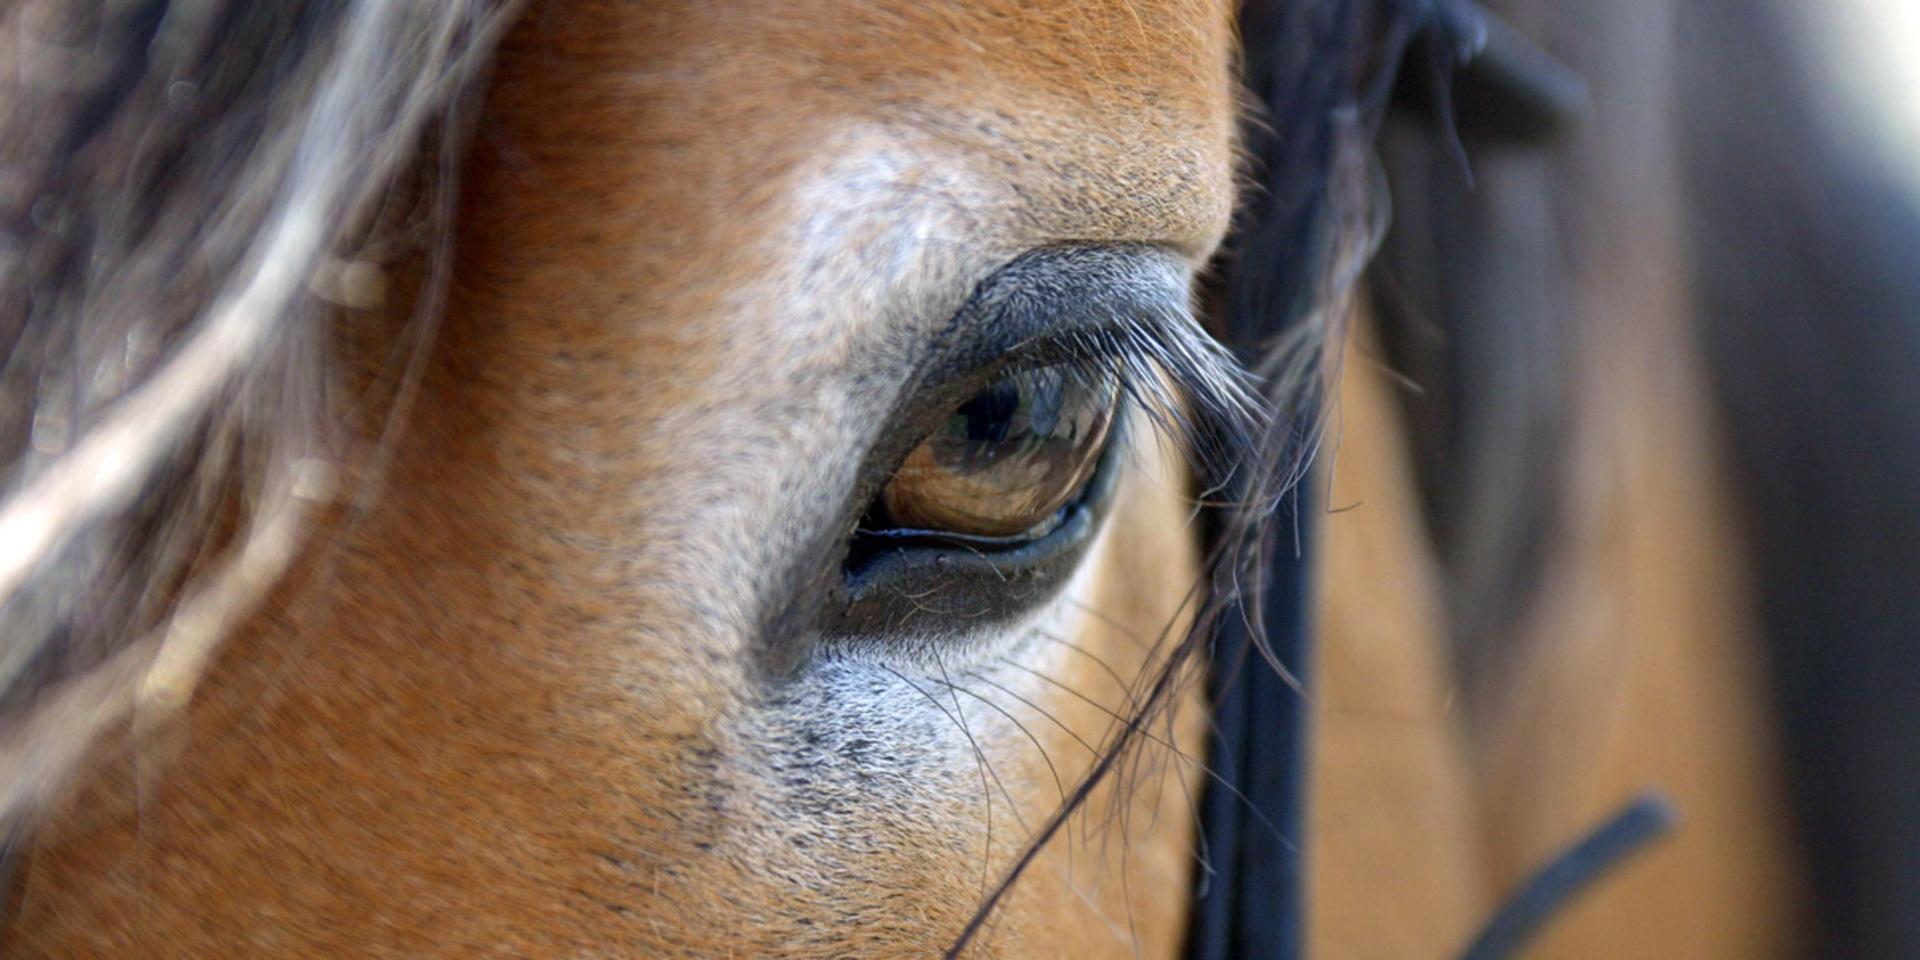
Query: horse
(585,478)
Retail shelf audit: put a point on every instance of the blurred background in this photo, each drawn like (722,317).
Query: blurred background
(1630,449)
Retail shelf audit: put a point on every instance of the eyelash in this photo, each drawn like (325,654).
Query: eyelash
(1165,368)
(1184,383)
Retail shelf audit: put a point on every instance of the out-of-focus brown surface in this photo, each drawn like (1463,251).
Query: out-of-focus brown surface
(1394,853)
(1642,673)
(1643,665)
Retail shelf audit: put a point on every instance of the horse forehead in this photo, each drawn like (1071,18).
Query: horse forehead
(708,234)
(1097,119)
(814,173)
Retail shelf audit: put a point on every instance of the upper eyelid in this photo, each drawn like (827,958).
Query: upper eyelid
(1130,360)
(1052,294)
(1051,305)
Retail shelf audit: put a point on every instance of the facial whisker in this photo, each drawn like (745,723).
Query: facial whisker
(979,758)
(1175,750)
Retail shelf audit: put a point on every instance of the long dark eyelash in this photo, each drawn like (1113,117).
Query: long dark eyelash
(1193,392)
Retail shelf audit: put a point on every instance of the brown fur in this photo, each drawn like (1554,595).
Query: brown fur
(516,710)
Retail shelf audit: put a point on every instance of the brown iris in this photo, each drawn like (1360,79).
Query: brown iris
(1005,462)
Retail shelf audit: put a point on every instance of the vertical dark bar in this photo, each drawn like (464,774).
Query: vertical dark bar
(1314,67)
(1252,903)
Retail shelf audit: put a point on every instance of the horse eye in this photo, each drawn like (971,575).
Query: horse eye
(1005,463)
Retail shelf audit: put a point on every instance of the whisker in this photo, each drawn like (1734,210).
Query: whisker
(1091,749)
(1126,689)
(1126,895)
(1125,632)
(1129,633)
(1175,750)
(986,794)
(1059,785)
(1186,789)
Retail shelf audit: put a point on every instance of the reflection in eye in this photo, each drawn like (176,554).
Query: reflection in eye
(1005,462)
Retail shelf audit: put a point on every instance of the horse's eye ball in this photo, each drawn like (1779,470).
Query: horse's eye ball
(1005,462)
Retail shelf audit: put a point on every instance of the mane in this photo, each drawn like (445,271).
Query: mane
(185,186)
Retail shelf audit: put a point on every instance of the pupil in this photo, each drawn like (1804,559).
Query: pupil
(1022,415)
(988,417)
(1007,459)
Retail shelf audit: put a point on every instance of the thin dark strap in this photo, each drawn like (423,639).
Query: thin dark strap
(1574,870)
(1250,896)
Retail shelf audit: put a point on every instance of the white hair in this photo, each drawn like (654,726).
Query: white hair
(178,182)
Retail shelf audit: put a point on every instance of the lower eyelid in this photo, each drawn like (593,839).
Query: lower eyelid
(907,582)
(1115,452)
(910,534)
